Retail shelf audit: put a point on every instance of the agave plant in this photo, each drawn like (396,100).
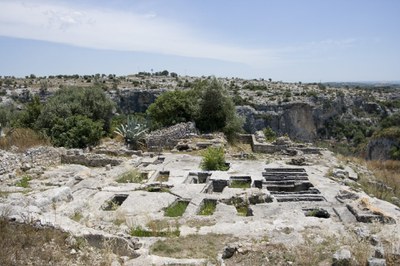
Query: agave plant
(133,132)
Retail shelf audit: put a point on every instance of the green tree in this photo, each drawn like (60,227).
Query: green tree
(172,107)
(74,103)
(76,132)
(29,116)
(207,104)
(217,110)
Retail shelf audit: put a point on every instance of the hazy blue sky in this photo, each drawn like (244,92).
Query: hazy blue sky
(290,40)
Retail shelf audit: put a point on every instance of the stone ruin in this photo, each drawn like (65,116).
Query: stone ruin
(282,144)
(251,198)
(169,137)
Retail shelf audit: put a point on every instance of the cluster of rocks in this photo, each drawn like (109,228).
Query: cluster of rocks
(344,257)
(198,142)
(77,156)
(282,145)
(32,160)
(169,137)
(114,148)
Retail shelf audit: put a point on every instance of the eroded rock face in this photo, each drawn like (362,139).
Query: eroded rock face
(305,120)
(51,196)
(298,122)
(76,156)
(379,149)
(294,119)
(135,100)
(169,137)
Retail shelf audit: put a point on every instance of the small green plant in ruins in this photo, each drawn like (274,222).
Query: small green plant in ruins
(132,176)
(133,132)
(214,159)
(24,182)
(269,134)
(208,208)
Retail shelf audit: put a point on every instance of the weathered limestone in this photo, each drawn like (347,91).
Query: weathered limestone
(77,156)
(342,257)
(169,137)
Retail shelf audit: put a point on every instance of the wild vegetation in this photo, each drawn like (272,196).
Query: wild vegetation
(207,104)
(25,244)
(214,159)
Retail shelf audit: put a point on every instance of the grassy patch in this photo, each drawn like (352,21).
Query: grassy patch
(142,232)
(23,139)
(198,223)
(24,244)
(208,208)
(191,246)
(214,159)
(239,184)
(176,209)
(163,176)
(386,178)
(77,216)
(132,176)
(242,210)
(24,182)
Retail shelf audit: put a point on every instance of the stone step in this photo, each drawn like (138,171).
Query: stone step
(305,197)
(285,170)
(345,215)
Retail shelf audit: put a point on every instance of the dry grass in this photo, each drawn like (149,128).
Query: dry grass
(24,244)
(365,204)
(317,249)
(387,177)
(198,223)
(192,246)
(23,139)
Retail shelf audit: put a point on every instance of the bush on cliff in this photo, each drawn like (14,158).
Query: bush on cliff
(76,117)
(207,104)
(171,108)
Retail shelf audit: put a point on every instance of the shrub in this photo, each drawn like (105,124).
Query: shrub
(395,153)
(207,104)
(76,132)
(390,133)
(28,117)
(390,121)
(208,208)
(177,209)
(214,159)
(217,111)
(269,134)
(24,182)
(133,132)
(172,107)
(63,112)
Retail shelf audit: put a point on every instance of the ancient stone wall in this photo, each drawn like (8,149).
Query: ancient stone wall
(134,100)
(169,137)
(77,156)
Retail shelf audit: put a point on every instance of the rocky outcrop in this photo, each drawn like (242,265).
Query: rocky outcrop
(379,148)
(307,120)
(30,161)
(134,100)
(169,137)
(294,119)
(76,156)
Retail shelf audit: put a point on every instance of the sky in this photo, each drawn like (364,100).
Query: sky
(288,40)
